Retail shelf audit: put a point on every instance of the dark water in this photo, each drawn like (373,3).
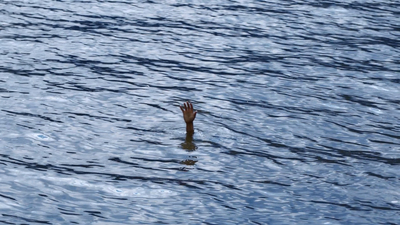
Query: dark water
(298,112)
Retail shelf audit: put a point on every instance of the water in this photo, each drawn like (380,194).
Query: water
(298,112)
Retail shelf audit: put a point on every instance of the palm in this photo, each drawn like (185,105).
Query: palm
(188,114)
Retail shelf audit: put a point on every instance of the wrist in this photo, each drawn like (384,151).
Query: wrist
(189,127)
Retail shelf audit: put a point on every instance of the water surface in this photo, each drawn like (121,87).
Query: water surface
(298,112)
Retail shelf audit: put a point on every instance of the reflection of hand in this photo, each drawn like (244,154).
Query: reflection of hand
(188,145)
(188,114)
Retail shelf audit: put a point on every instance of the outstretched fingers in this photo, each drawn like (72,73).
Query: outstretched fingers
(187,107)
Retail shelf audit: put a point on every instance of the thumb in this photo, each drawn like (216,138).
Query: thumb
(195,113)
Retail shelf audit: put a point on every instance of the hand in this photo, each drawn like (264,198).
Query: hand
(188,114)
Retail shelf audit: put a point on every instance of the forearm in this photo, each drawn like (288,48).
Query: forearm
(189,128)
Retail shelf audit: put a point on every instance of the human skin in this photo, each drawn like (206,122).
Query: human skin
(188,115)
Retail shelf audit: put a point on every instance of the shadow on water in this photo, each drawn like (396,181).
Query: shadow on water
(189,146)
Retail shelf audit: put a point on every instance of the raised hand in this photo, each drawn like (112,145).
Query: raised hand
(188,116)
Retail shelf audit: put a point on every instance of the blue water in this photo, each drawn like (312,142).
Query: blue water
(298,112)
